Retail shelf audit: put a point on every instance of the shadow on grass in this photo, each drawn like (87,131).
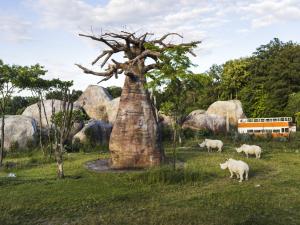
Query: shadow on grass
(9,181)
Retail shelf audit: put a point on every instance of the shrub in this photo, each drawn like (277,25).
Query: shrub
(14,146)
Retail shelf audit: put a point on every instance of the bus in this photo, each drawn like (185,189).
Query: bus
(276,126)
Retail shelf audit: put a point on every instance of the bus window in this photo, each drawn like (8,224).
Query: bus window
(256,131)
(286,130)
(267,120)
(275,119)
(249,131)
(281,119)
(276,131)
(282,130)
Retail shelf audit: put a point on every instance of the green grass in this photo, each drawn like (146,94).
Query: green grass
(201,193)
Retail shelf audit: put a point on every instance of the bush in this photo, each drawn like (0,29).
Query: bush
(30,144)
(14,146)
(76,145)
(166,133)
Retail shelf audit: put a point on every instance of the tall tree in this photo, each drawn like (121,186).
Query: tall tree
(234,77)
(274,69)
(33,81)
(176,81)
(134,140)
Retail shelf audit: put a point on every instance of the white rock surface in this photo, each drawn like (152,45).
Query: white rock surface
(200,120)
(232,108)
(19,129)
(33,111)
(98,103)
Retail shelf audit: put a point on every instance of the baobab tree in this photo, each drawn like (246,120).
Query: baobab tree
(134,141)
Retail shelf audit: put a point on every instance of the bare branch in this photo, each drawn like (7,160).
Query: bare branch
(109,71)
(165,36)
(107,58)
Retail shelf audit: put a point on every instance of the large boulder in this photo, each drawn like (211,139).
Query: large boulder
(33,111)
(200,120)
(232,108)
(20,132)
(98,103)
(96,132)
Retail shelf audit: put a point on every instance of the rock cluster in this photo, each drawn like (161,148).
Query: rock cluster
(214,118)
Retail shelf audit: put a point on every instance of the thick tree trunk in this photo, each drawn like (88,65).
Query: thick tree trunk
(134,141)
(2,140)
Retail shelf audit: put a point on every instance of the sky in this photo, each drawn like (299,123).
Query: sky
(46,31)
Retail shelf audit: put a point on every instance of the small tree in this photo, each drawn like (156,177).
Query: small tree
(63,122)
(175,80)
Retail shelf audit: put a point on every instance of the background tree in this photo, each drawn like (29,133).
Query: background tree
(134,140)
(33,81)
(17,104)
(54,94)
(114,91)
(234,77)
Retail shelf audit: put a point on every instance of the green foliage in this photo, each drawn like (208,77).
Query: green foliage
(293,105)
(77,116)
(172,83)
(114,91)
(55,94)
(17,104)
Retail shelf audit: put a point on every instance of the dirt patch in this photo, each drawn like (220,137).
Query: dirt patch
(102,166)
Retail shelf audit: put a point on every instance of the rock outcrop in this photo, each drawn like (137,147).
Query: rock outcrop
(33,111)
(98,103)
(232,108)
(20,132)
(200,120)
(96,132)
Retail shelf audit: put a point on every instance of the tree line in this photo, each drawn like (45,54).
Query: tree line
(267,82)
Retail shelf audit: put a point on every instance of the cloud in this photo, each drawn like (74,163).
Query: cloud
(13,28)
(193,17)
(268,12)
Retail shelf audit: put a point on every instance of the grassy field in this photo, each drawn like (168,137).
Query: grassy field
(201,193)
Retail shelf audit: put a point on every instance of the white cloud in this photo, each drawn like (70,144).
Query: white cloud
(206,20)
(13,28)
(268,12)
